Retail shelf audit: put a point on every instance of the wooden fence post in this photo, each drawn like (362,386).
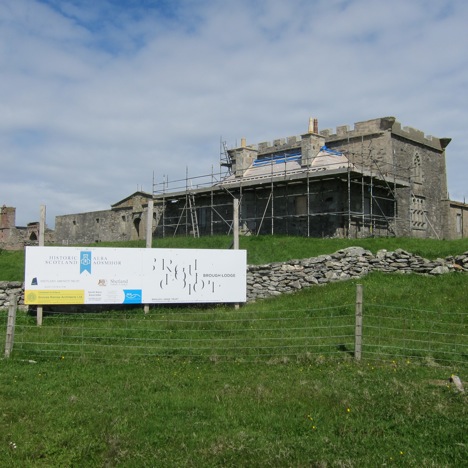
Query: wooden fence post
(10,333)
(358,324)
(235,222)
(149,235)
(42,226)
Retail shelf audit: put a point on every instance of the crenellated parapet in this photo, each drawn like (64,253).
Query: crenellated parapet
(381,125)
(280,144)
(345,132)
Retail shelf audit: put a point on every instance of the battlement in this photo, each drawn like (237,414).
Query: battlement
(279,144)
(382,125)
(360,129)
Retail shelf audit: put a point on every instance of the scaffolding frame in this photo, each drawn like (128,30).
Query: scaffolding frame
(288,202)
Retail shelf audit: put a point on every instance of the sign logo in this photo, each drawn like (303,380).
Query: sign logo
(85,262)
(132,296)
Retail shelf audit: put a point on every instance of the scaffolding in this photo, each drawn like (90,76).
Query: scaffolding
(358,199)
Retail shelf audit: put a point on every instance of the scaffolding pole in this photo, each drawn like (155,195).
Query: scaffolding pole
(314,187)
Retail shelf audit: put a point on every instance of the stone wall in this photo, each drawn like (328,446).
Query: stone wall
(14,237)
(126,220)
(458,220)
(274,279)
(410,156)
(11,287)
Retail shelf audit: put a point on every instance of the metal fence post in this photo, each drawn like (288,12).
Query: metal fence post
(10,333)
(358,324)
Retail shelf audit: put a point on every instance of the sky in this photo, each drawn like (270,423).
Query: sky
(101,98)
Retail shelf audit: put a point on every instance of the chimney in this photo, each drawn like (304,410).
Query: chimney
(311,143)
(243,143)
(313,125)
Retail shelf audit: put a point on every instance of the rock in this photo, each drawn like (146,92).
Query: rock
(458,383)
(440,270)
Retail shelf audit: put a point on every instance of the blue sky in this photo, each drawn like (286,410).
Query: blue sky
(97,96)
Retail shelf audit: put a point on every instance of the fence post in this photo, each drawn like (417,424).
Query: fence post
(358,324)
(42,225)
(149,235)
(10,334)
(235,222)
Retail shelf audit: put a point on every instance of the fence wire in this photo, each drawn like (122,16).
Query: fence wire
(241,335)
(415,333)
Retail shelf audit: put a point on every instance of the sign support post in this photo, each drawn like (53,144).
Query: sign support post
(42,223)
(149,235)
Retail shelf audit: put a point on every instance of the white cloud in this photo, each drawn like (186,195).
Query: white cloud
(98,95)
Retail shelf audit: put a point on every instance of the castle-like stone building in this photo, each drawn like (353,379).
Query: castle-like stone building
(14,237)
(376,179)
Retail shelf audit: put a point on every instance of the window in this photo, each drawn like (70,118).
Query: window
(201,217)
(459,223)
(301,205)
(136,225)
(417,170)
(418,212)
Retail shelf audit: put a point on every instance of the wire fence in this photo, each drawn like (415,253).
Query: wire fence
(244,335)
(206,334)
(408,332)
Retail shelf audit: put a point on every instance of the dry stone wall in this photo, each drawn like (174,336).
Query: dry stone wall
(7,288)
(274,279)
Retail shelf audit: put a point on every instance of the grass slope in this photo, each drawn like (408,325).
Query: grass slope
(266,249)
(312,410)
(164,413)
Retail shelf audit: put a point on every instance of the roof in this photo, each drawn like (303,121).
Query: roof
(326,159)
(133,195)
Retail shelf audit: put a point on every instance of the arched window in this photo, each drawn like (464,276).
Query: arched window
(136,224)
(417,169)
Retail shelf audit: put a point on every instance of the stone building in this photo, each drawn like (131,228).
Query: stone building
(14,237)
(126,220)
(375,179)
(457,227)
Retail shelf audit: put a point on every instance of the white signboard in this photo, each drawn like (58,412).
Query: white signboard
(75,275)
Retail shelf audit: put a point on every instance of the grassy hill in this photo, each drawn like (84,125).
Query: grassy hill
(200,386)
(265,249)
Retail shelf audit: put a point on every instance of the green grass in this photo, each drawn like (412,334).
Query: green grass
(163,413)
(266,249)
(11,265)
(105,405)
(404,315)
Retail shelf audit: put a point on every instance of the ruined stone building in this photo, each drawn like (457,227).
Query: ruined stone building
(376,179)
(14,237)
(126,220)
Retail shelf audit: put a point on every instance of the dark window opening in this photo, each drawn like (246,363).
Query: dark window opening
(136,223)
